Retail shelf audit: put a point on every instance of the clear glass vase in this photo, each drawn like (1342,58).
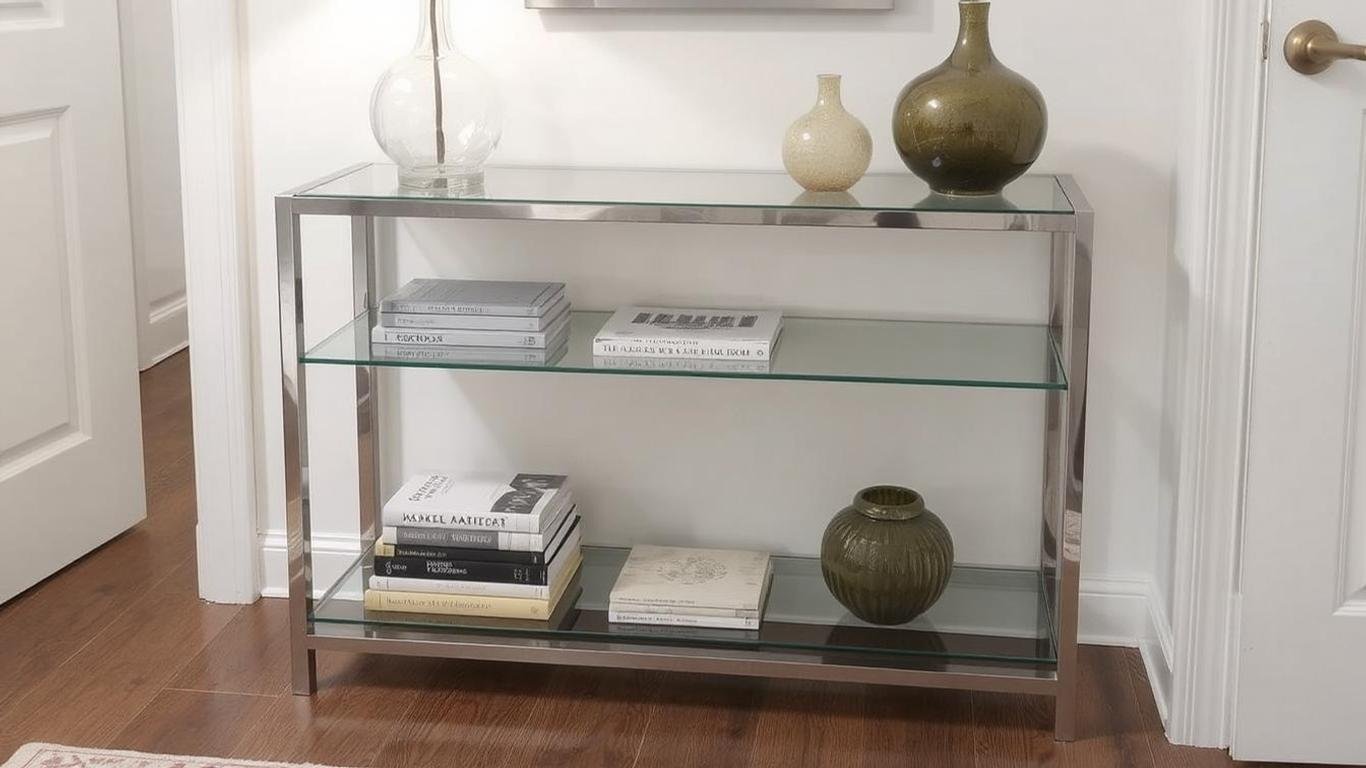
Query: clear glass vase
(436,113)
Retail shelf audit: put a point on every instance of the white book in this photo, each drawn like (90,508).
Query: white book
(477,322)
(451,338)
(682,365)
(454,538)
(474,297)
(719,334)
(471,355)
(526,503)
(681,620)
(693,578)
(568,556)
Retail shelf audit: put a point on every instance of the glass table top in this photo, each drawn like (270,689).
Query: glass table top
(897,192)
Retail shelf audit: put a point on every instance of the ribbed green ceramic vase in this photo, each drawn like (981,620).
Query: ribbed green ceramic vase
(971,125)
(885,557)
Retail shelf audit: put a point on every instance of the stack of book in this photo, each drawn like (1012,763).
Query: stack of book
(477,547)
(474,321)
(672,586)
(739,340)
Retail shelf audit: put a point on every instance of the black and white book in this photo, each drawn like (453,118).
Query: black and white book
(691,578)
(569,553)
(472,570)
(385,547)
(477,322)
(526,503)
(551,337)
(714,334)
(474,297)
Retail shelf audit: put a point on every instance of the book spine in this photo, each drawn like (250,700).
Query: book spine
(651,606)
(681,620)
(461,322)
(450,338)
(460,570)
(457,605)
(671,348)
(470,554)
(671,610)
(467,588)
(462,538)
(446,308)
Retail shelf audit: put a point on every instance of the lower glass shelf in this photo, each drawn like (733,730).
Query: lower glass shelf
(987,614)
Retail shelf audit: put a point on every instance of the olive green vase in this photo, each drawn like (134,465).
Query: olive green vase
(970,126)
(885,557)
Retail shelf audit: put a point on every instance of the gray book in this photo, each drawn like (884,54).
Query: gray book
(474,297)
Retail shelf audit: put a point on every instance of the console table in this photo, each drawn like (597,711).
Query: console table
(1011,630)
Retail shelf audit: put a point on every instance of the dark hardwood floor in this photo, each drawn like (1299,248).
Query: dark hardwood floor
(117,651)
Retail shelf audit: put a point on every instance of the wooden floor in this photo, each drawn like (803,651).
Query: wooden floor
(117,651)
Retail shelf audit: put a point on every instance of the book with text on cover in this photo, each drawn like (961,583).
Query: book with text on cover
(691,578)
(526,503)
(713,334)
(474,297)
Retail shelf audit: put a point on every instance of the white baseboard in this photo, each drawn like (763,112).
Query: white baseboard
(332,555)
(1156,648)
(1114,611)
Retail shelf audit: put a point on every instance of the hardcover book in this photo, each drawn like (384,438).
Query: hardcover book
(714,334)
(549,338)
(561,566)
(535,609)
(681,620)
(477,322)
(471,570)
(525,504)
(474,297)
(385,547)
(518,356)
(691,578)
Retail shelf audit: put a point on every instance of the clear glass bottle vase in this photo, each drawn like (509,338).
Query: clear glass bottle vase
(435,112)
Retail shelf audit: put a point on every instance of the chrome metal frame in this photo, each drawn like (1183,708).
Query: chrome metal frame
(1060,553)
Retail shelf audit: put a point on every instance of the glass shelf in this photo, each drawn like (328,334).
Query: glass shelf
(810,349)
(897,200)
(987,614)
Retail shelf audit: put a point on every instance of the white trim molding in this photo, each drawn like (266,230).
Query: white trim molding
(218,291)
(1216,243)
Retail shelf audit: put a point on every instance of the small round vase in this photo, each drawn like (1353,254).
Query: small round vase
(828,149)
(436,113)
(971,125)
(885,557)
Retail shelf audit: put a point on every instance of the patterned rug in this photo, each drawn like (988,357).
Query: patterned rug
(54,756)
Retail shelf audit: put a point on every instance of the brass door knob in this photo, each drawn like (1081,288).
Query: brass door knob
(1313,46)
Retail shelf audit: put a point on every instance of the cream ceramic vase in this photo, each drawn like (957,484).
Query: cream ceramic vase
(828,149)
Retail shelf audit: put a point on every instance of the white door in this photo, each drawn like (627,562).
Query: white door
(1301,691)
(70,440)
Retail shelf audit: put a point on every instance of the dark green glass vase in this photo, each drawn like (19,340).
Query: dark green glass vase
(971,125)
(885,557)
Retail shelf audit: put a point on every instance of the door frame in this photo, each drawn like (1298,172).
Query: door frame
(1190,655)
(215,190)
(1216,239)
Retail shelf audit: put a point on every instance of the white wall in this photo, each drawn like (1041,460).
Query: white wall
(741,463)
(149,88)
